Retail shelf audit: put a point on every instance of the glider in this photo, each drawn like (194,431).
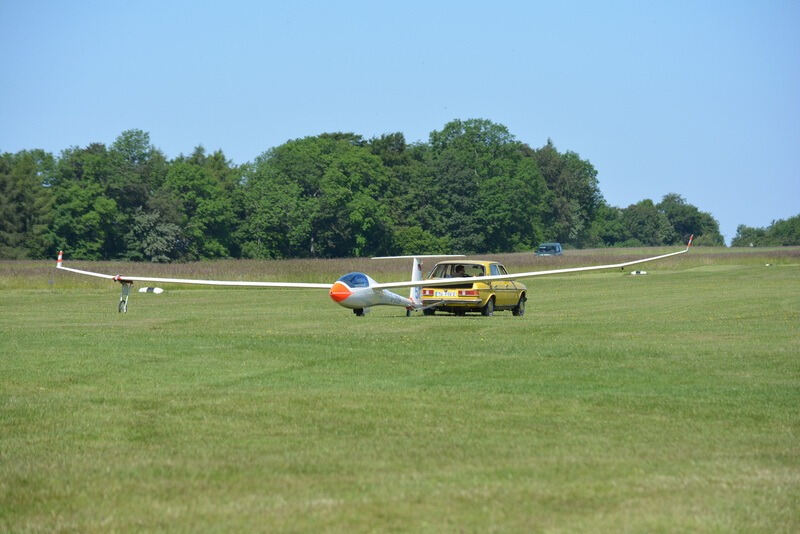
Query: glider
(357,291)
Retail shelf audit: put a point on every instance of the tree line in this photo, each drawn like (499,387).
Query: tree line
(471,188)
(780,233)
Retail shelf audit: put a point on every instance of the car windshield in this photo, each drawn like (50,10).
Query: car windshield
(547,248)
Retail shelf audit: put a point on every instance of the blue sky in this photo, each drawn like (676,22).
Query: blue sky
(699,98)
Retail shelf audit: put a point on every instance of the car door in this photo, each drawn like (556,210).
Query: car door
(515,288)
(505,291)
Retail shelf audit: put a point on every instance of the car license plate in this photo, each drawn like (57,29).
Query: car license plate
(445,294)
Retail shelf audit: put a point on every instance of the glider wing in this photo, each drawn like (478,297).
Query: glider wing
(233,283)
(456,281)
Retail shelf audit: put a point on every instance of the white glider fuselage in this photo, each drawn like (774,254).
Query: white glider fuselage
(355,291)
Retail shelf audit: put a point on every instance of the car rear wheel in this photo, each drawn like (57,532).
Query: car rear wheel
(488,309)
(519,309)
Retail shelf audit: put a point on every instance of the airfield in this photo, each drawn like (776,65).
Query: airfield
(658,403)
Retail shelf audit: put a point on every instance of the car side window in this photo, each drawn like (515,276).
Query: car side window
(494,270)
(502,269)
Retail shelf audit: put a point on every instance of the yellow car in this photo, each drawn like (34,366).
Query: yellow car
(485,296)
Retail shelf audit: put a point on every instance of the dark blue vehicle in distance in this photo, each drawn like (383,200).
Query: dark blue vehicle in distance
(549,249)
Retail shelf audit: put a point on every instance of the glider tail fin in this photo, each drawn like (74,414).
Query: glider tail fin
(60,259)
(416,275)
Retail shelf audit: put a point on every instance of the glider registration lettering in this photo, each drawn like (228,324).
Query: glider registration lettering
(357,291)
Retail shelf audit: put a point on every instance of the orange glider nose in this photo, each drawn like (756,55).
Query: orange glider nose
(339,292)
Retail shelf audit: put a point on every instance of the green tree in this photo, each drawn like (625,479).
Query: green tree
(406,169)
(471,188)
(224,172)
(229,179)
(574,194)
(487,195)
(511,207)
(279,198)
(121,180)
(688,220)
(85,221)
(152,239)
(137,170)
(277,221)
(205,213)
(317,196)
(785,232)
(410,198)
(779,233)
(414,240)
(645,225)
(26,204)
(350,218)
(607,228)
(747,236)
(91,164)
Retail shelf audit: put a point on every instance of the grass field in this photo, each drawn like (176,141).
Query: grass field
(661,403)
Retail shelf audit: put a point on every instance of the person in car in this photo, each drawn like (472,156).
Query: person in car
(459,272)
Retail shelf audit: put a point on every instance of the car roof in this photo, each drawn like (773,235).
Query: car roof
(466,262)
